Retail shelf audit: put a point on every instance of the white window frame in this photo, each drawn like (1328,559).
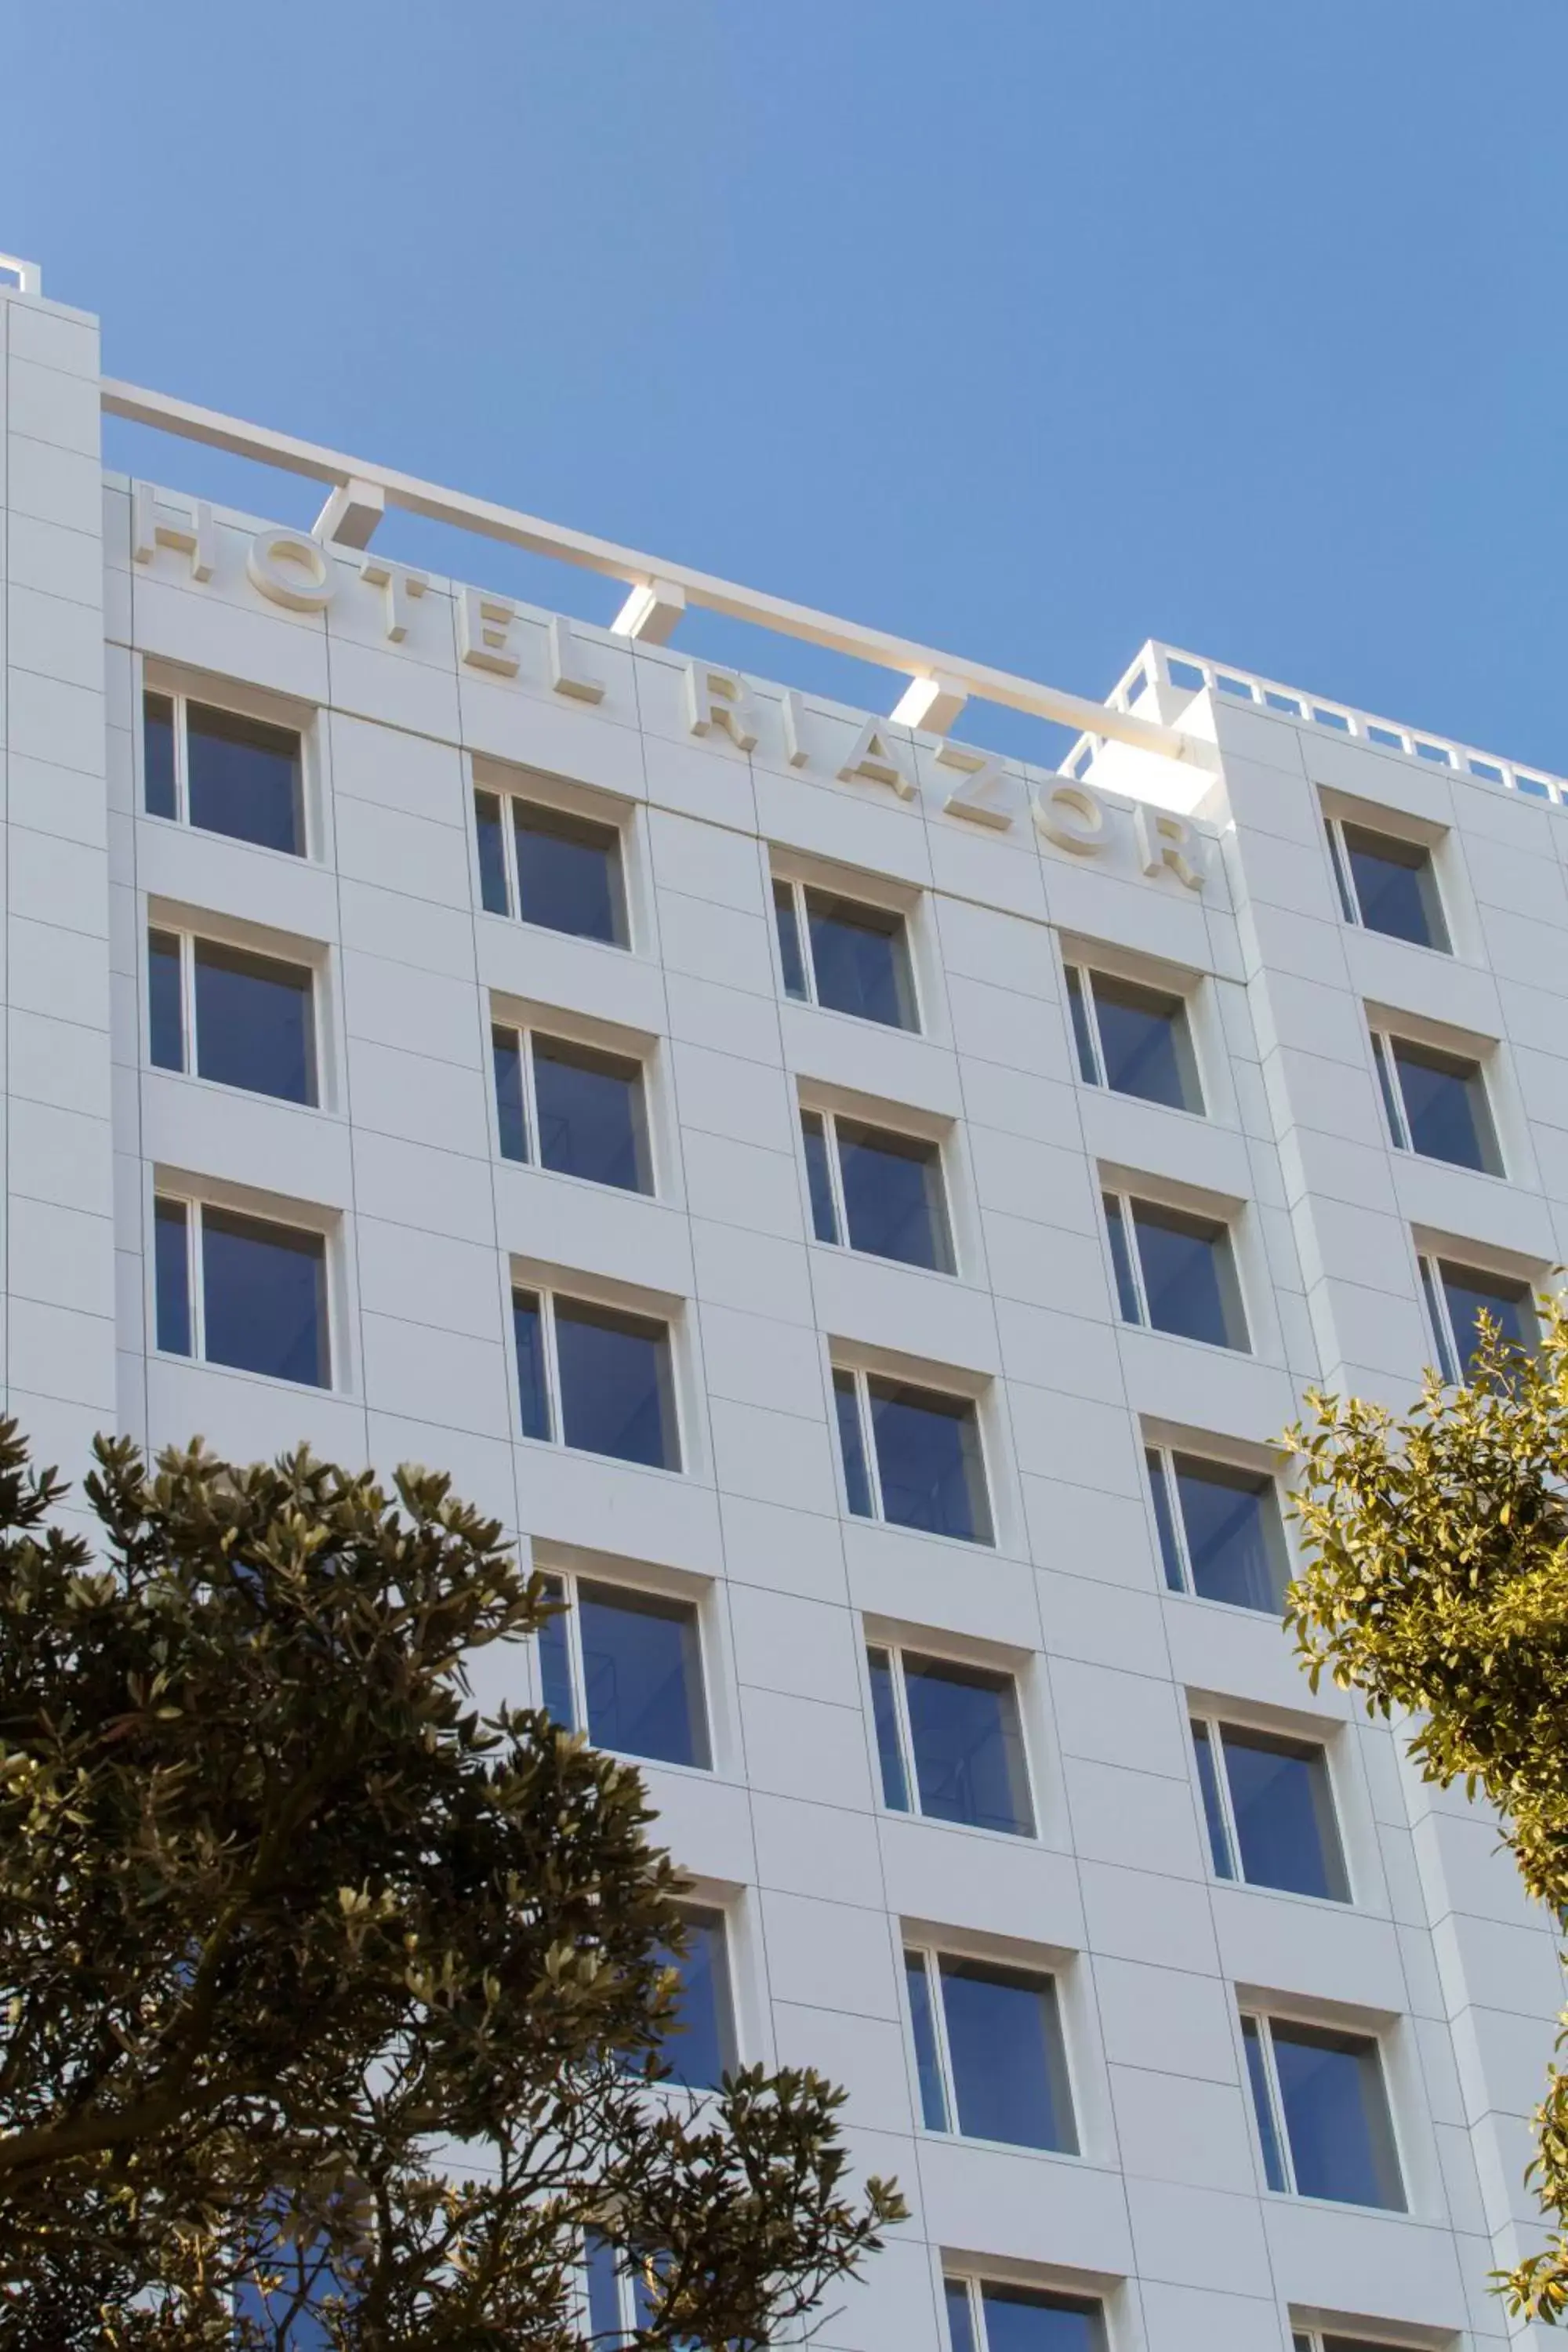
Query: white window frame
(525,1032)
(895,1650)
(1384,1041)
(797,888)
(1126,1202)
(196,1205)
(546,1295)
(1344,879)
(1166,1455)
(976,2285)
(931,1956)
(835,1184)
(1216,1726)
(860,1374)
(182,698)
(568,1579)
(1086,974)
(1264,2021)
(1453,1360)
(510,797)
(188,940)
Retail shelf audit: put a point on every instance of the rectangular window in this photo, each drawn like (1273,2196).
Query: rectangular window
(1387,885)
(912,1456)
(875,1189)
(1132,1039)
(1270,1807)
(252,1016)
(989,2051)
(572,1108)
(1436,1104)
(1221,1537)
(700,2048)
(595,1378)
(549,867)
(241,1290)
(223,772)
(985,2316)
(844,955)
(1458,1296)
(1174,1272)
(1310,2339)
(950,1741)
(1321,2107)
(625,1666)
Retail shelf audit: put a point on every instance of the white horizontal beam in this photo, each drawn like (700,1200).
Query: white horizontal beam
(489,520)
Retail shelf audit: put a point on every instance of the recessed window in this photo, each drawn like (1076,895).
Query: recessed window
(223,772)
(1269,1809)
(1435,1103)
(572,1108)
(844,955)
(1132,1039)
(595,1377)
(227,1013)
(989,2053)
(950,1741)
(1174,1272)
(551,867)
(1321,2105)
(700,2048)
(912,1456)
(1387,885)
(985,2316)
(1311,2339)
(1221,1537)
(876,1189)
(625,1666)
(241,1290)
(1458,1296)
(616,2293)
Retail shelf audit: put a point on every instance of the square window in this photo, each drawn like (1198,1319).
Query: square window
(551,867)
(1388,885)
(241,1290)
(1221,1537)
(845,955)
(595,1378)
(1322,2113)
(252,1016)
(912,1455)
(576,1109)
(1269,1810)
(985,2316)
(1458,1296)
(950,1739)
(877,1189)
(1132,1039)
(1436,1104)
(989,2051)
(1174,1272)
(625,1666)
(223,772)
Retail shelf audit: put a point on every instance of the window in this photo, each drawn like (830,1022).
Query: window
(844,956)
(1387,885)
(1174,1272)
(625,1666)
(986,2317)
(700,2046)
(1456,1296)
(616,2293)
(572,1108)
(1435,1103)
(912,1456)
(950,1741)
(1220,1533)
(1323,2122)
(223,772)
(1134,1040)
(551,867)
(1310,2339)
(241,1290)
(596,1378)
(1271,1810)
(988,2051)
(251,1018)
(877,1191)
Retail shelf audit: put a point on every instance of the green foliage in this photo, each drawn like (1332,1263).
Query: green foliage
(316,1985)
(1436,1584)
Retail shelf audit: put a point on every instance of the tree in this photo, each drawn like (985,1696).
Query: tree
(1436,1585)
(319,1991)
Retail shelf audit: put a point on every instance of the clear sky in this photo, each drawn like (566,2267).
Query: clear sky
(1026,328)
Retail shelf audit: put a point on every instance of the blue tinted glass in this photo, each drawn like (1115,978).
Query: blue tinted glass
(892,1195)
(511,1122)
(264,1298)
(703,2044)
(895,1787)
(243,778)
(1020,2319)
(1009,2078)
(1446,1107)
(492,854)
(589,1111)
(1081,1037)
(528,1333)
(927,1461)
(569,873)
(860,961)
(1170,1550)
(1213,1807)
(1280,1802)
(172,1274)
(1262,2103)
(792,962)
(616,1392)
(1336,2115)
(1234,1541)
(927,2066)
(1394,889)
(254,1025)
(642,1673)
(158,755)
(604,2290)
(813,1135)
(960,2320)
(968,1747)
(856,1479)
(1469,1295)
(166,1015)
(1144,1045)
(556,1663)
(1188,1279)
(1122,1259)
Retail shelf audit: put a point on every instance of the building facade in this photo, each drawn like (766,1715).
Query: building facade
(863,1213)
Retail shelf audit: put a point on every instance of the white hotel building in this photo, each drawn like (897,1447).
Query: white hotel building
(863,1213)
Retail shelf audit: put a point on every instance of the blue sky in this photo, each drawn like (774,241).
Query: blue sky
(1026,328)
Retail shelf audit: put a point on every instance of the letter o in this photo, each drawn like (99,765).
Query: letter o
(1072,817)
(292,569)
